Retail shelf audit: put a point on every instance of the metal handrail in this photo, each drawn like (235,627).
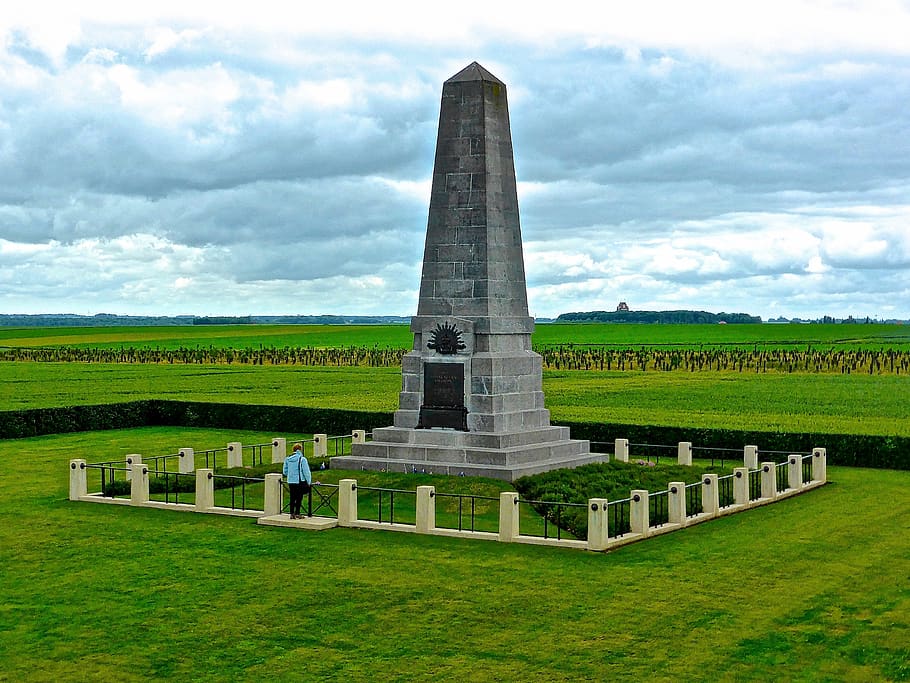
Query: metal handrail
(461,497)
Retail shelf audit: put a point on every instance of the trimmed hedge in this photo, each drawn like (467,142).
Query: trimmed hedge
(855,450)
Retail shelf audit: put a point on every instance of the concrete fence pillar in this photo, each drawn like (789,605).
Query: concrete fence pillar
(235,454)
(426,509)
(320,445)
(819,464)
(186,463)
(639,519)
(684,453)
(139,484)
(710,494)
(205,489)
(741,486)
(279,449)
(347,502)
(750,457)
(272,501)
(621,450)
(132,459)
(358,436)
(768,480)
(795,471)
(676,502)
(78,479)
(508,516)
(598,531)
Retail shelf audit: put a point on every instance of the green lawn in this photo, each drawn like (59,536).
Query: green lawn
(832,403)
(812,588)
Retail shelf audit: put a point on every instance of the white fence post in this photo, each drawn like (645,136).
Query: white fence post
(639,520)
(187,461)
(358,436)
(347,502)
(272,501)
(768,480)
(279,449)
(320,445)
(750,457)
(621,450)
(710,496)
(819,464)
(205,489)
(598,531)
(132,459)
(508,516)
(139,484)
(78,479)
(676,502)
(741,486)
(795,471)
(426,509)
(684,453)
(235,454)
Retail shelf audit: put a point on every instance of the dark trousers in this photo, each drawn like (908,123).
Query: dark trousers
(297,493)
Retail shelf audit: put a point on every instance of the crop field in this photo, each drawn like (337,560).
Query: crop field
(803,398)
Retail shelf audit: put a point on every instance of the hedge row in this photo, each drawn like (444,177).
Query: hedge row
(857,450)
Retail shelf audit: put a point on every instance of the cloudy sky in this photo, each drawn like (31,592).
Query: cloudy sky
(202,158)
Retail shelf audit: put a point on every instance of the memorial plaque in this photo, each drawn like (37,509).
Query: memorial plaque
(443,397)
(443,385)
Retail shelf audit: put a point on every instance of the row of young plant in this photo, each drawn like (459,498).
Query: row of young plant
(853,450)
(560,357)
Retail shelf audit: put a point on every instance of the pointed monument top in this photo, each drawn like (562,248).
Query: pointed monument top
(474,72)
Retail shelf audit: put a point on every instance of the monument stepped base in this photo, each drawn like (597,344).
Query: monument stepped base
(505,456)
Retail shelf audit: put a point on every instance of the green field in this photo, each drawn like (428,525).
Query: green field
(812,588)
(828,403)
(399,336)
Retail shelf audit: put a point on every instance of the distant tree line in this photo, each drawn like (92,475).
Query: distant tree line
(662,317)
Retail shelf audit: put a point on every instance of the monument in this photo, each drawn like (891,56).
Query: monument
(471,398)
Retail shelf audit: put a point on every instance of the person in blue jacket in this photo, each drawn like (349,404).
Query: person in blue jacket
(297,474)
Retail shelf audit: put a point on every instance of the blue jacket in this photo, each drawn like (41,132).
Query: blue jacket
(297,469)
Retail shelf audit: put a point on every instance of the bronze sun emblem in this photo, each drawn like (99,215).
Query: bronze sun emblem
(445,339)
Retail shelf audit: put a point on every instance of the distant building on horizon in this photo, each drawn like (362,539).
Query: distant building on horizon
(623,306)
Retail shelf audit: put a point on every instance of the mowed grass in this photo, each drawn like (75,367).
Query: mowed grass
(826,403)
(812,588)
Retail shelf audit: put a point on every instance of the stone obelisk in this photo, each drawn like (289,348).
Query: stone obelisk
(471,396)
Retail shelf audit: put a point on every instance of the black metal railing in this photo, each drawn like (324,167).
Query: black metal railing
(339,445)
(754,484)
(658,508)
(807,468)
(386,496)
(783,476)
(170,481)
(694,499)
(211,457)
(652,451)
(619,518)
(552,513)
(233,482)
(158,464)
(725,491)
(256,453)
(472,512)
(718,456)
(108,474)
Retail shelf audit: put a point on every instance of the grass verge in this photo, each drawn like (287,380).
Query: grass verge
(810,588)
